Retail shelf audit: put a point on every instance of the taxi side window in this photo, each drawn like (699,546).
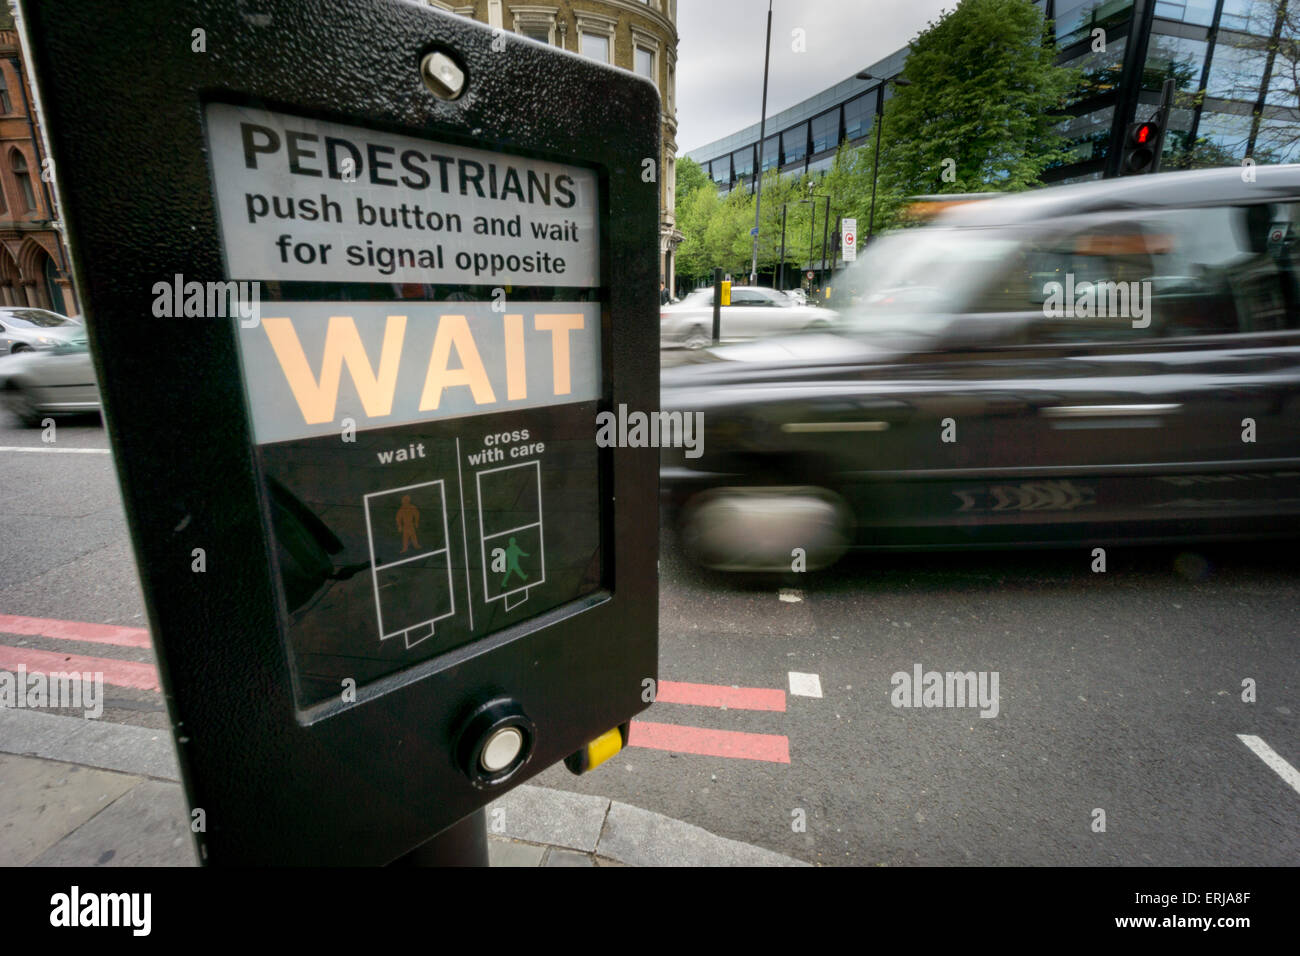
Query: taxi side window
(1186,272)
(1231,269)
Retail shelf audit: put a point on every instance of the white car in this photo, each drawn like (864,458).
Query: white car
(753,313)
(56,380)
(25,330)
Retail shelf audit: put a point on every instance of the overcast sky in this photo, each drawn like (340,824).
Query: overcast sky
(720,54)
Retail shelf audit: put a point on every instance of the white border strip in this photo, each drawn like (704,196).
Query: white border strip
(75,451)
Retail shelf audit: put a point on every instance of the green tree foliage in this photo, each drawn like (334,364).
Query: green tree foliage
(690,176)
(981,111)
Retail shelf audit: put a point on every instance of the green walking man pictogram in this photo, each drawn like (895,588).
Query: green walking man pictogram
(513,554)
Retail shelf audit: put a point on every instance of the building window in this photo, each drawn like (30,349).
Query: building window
(18,163)
(742,161)
(1248,16)
(1200,12)
(1236,72)
(644,63)
(1088,136)
(536,23)
(596,47)
(794,143)
(857,115)
(826,131)
(1176,58)
(771,152)
(1101,71)
(1075,19)
(596,37)
(5,106)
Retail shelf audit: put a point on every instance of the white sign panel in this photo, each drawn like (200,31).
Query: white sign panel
(849,239)
(310,365)
(307,200)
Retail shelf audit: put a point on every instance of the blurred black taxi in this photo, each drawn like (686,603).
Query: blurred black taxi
(1106,362)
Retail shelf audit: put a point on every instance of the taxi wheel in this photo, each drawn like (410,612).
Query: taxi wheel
(20,404)
(696,338)
(766,529)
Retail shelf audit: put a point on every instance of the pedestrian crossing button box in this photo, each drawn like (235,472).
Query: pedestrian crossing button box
(354,325)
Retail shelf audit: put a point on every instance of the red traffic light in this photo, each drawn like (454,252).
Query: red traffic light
(1144,133)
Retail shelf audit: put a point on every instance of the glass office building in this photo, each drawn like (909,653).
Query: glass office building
(1235,66)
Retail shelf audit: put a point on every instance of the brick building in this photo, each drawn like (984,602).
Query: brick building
(34,264)
(636,35)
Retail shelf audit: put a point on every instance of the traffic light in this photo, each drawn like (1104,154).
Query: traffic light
(1142,145)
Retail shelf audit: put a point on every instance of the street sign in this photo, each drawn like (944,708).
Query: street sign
(352,301)
(848,239)
(810,275)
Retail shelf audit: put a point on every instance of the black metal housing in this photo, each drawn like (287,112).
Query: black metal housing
(123,92)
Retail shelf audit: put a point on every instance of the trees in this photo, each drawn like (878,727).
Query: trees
(982,108)
(981,112)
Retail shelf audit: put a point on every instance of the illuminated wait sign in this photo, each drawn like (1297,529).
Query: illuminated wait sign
(309,365)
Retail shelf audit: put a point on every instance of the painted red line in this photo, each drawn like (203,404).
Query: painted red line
(774,748)
(118,673)
(717,695)
(75,630)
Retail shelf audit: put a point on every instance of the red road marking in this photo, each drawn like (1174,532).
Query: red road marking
(118,673)
(716,695)
(774,748)
(75,631)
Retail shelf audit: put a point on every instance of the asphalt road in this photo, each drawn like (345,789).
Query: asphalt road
(1119,692)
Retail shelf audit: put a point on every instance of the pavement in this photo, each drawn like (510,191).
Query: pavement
(93,793)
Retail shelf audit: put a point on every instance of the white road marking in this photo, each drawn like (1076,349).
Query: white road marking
(805,685)
(80,451)
(791,595)
(1274,761)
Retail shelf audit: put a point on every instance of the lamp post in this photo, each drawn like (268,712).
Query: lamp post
(762,133)
(880,122)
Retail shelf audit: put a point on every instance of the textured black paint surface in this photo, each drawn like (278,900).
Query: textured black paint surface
(123,92)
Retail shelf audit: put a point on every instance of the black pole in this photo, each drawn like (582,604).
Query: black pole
(762,133)
(1166,107)
(781,286)
(717,303)
(826,225)
(875,160)
(461,844)
(812,233)
(1130,86)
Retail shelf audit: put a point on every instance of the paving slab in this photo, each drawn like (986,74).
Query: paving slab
(509,853)
(559,857)
(42,801)
(146,826)
(542,815)
(641,838)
